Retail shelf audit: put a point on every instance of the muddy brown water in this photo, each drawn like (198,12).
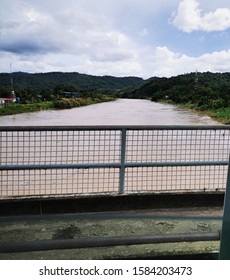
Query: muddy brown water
(119,112)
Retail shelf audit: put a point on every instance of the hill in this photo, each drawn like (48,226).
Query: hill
(202,90)
(43,81)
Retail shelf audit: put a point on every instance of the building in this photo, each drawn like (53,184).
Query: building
(5,101)
(71,94)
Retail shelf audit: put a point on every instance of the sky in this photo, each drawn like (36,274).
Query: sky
(143,38)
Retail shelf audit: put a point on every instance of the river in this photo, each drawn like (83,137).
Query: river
(82,146)
(119,112)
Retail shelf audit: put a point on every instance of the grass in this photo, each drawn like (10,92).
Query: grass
(221,115)
(63,103)
(13,109)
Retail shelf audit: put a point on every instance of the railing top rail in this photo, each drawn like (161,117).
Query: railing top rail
(115,127)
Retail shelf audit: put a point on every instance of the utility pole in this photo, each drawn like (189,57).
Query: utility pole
(11,82)
(196,80)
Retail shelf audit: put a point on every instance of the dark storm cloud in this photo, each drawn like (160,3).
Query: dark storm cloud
(27,47)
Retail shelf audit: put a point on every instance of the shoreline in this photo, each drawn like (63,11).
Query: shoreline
(61,104)
(221,115)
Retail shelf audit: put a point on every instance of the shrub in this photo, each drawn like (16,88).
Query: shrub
(62,103)
(81,101)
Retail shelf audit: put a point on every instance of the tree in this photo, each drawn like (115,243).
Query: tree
(4,93)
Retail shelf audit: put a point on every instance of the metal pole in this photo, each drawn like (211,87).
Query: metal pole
(90,242)
(123,164)
(225,233)
(122,168)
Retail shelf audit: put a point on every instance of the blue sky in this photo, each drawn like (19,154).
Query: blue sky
(142,38)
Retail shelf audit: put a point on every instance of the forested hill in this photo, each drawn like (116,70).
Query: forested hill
(42,81)
(203,90)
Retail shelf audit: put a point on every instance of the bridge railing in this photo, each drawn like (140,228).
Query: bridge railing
(50,161)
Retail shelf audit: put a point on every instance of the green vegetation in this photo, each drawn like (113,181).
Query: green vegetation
(68,103)
(25,108)
(54,90)
(222,115)
(81,82)
(207,92)
(63,103)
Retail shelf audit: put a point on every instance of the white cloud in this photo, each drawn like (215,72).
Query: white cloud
(117,37)
(169,63)
(75,39)
(161,62)
(86,34)
(189,17)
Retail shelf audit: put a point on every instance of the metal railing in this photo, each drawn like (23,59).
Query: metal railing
(47,161)
(225,232)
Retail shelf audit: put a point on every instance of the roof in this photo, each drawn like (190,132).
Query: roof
(9,99)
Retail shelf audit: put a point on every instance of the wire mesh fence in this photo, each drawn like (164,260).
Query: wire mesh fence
(46,161)
(59,147)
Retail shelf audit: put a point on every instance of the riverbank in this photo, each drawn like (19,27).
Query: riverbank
(25,108)
(221,115)
(63,103)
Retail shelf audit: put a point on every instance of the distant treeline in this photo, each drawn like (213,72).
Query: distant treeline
(203,91)
(43,81)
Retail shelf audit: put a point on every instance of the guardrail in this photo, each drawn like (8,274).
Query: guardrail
(50,161)
(225,232)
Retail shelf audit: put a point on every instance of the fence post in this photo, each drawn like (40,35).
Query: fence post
(225,233)
(122,168)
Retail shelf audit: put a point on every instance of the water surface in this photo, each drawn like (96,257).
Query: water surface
(119,112)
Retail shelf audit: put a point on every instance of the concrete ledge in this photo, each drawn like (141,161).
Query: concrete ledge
(63,205)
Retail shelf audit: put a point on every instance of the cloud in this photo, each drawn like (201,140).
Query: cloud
(120,38)
(160,61)
(189,17)
(28,32)
(75,39)
(169,63)
(73,31)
